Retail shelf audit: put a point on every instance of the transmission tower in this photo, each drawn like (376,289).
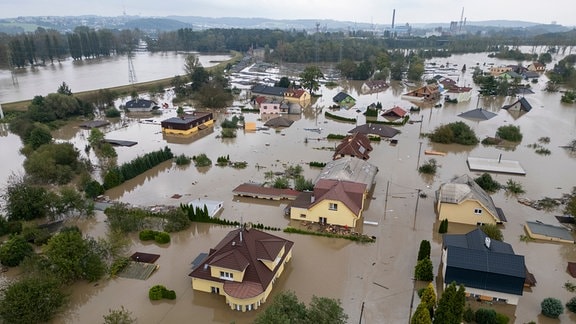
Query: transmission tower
(131,70)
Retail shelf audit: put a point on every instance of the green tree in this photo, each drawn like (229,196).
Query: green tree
(285,308)
(424,250)
(13,251)
(310,78)
(485,316)
(450,308)
(95,138)
(424,270)
(284,82)
(429,298)
(281,183)
(64,89)
(486,182)
(421,315)
(570,208)
(119,316)
(571,305)
(325,310)
(39,135)
(73,257)
(302,184)
(552,307)
(510,133)
(492,231)
(54,163)
(31,300)
(25,201)
(415,69)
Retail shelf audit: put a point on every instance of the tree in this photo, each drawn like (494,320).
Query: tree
(13,251)
(485,316)
(424,251)
(552,307)
(325,310)
(421,315)
(571,305)
(424,270)
(64,89)
(39,135)
(486,182)
(191,64)
(510,133)
(284,82)
(451,305)
(73,257)
(25,201)
(287,309)
(309,78)
(492,231)
(415,69)
(570,208)
(429,298)
(31,300)
(284,309)
(119,316)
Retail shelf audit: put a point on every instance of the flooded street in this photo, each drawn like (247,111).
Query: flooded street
(378,274)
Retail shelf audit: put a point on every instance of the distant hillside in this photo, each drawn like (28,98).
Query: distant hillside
(156,24)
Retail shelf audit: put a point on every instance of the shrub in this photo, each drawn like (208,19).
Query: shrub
(118,265)
(552,307)
(13,251)
(486,182)
(485,316)
(457,132)
(502,319)
(571,305)
(147,235)
(424,270)
(162,237)
(183,160)
(93,189)
(112,112)
(228,133)
(202,160)
(158,292)
(429,167)
(10,227)
(492,231)
(469,316)
(514,187)
(424,251)
(443,226)
(510,133)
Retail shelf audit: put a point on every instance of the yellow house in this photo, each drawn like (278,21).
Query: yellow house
(333,202)
(243,267)
(299,96)
(187,123)
(463,201)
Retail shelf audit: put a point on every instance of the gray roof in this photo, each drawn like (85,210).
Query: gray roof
(341,96)
(349,169)
(140,104)
(524,105)
(465,188)
(270,91)
(550,230)
(476,263)
(375,129)
(478,114)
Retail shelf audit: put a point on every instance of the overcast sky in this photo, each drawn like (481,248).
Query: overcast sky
(369,11)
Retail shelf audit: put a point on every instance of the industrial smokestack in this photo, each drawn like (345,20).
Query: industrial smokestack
(393,17)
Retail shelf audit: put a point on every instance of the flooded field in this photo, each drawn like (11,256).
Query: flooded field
(379,274)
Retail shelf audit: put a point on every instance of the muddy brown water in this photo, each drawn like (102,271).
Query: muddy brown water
(378,275)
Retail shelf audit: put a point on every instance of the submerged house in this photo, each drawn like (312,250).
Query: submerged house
(430,92)
(243,267)
(372,86)
(356,145)
(520,105)
(140,105)
(344,100)
(187,124)
(488,269)
(463,201)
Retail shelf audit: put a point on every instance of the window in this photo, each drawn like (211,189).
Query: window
(226,275)
(302,215)
(333,206)
(215,290)
(477,211)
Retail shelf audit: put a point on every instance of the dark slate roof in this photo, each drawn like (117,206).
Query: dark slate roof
(477,114)
(279,121)
(472,263)
(475,240)
(376,129)
(524,105)
(341,96)
(270,91)
(140,103)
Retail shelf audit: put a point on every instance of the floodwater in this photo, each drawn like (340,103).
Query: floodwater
(378,275)
(93,74)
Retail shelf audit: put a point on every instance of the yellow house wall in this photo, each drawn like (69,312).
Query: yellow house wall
(295,213)
(270,264)
(206,285)
(463,213)
(237,275)
(188,131)
(342,217)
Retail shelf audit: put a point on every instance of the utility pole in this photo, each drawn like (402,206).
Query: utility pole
(361,312)
(419,151)
(416,209)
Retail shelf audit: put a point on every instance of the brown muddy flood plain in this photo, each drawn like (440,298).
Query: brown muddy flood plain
(377,274)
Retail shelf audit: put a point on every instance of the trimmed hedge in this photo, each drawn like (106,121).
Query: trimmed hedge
(357,238)
(158,237)
(160,292)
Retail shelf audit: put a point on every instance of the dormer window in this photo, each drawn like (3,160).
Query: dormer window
(226,275)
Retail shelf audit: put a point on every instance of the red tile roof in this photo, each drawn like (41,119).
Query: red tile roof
(245,248)
(395,111)
(349,193)
(256,190)
(356,145)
